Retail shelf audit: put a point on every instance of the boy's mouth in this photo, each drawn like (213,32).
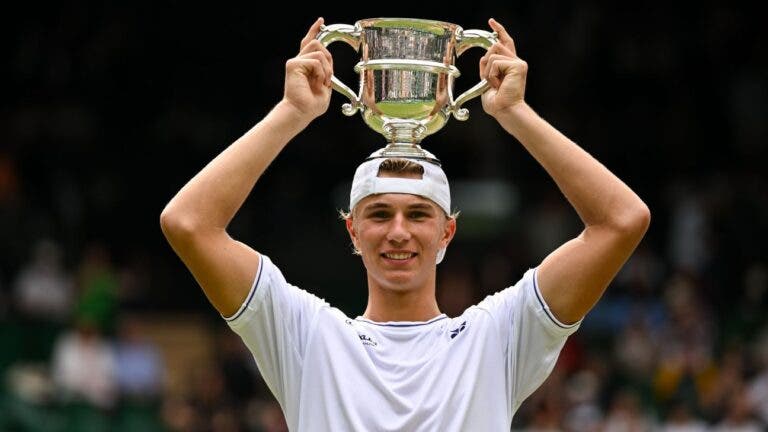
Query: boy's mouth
(401,256)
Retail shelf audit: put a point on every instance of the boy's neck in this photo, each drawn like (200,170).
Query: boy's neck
(387,305)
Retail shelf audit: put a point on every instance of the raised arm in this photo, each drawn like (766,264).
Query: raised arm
(573,277)
(196,219)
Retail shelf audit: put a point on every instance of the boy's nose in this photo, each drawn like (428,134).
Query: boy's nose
(399,231)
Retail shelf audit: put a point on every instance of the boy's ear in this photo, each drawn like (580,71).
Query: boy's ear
(449,232)
(351,230)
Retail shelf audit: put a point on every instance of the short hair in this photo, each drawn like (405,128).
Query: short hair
(401,166)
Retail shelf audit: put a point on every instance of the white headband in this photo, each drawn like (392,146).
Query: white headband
(433,185)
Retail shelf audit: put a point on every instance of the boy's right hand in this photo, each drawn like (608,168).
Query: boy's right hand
(308,76)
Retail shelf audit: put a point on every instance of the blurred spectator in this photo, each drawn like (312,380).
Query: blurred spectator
(690,231)
(98,288)
(635,356)
(225,419)
(545,417)
(208,407)
(139,366)
(43,289)
(573,356)
(642,275)
(270,417)
(681,418)
(626,414)
(582,395)
(686,368)
(241,377)
(84,366)
(758,386)
(179,415)
(738,415)
(727,381)
(543,411)
(635,351)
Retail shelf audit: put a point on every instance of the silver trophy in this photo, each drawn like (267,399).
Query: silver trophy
(406,77)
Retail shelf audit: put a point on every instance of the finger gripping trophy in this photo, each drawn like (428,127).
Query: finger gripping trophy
(406,77)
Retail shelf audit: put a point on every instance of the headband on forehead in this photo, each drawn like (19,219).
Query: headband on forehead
(433,185)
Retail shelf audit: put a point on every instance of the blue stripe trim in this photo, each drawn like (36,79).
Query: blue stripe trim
(544,304)
(250,294)
(433,320)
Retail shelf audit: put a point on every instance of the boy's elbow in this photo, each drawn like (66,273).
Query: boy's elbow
(642,217)
(629,221)
(636,220)
(175,226)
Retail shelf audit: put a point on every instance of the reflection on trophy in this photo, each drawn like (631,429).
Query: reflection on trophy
(406,77)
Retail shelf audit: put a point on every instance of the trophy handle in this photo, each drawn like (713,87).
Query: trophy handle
(351,35)
(466,39)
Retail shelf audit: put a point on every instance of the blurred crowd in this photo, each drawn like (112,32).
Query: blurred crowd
(109,113)
(78,357)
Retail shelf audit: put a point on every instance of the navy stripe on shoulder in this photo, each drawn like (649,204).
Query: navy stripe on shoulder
(251,293)
(544,304)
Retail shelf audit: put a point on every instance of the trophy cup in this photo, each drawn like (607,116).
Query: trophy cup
(406,77)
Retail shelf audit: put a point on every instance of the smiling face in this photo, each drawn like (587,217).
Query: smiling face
(399,236)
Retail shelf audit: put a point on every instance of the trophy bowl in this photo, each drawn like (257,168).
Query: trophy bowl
(407,71)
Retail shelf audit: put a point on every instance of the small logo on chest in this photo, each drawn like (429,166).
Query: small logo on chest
(455,332)
(367,340)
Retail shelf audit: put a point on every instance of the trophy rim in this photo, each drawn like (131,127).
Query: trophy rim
(419,20)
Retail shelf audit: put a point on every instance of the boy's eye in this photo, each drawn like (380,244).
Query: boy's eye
(418,214)
(379,214)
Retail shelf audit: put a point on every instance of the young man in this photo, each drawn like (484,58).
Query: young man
(402,365)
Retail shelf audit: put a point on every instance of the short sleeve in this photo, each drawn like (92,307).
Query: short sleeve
(275,323)
(532,336)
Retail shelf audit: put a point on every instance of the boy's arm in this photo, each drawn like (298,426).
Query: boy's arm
(196,219)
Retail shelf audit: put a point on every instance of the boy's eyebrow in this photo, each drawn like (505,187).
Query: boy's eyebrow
(420,206)
(376,205)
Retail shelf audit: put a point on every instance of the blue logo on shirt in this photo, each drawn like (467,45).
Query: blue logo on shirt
(455,332)
(367,340)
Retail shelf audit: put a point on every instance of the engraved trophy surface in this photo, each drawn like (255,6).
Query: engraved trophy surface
(406,75)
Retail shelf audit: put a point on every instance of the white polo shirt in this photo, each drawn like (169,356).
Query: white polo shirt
(330,372)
